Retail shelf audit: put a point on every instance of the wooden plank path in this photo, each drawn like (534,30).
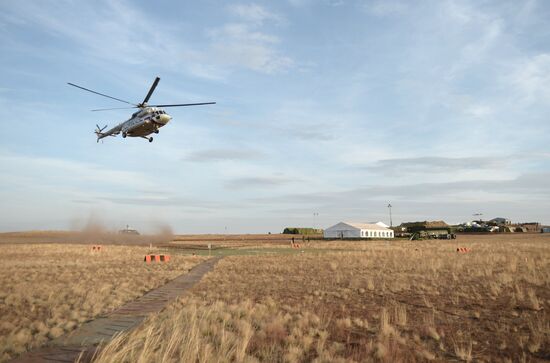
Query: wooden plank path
(83,341)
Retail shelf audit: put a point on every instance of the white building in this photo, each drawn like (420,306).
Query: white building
(357,230)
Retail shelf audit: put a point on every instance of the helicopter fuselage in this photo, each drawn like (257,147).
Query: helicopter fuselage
(142,123)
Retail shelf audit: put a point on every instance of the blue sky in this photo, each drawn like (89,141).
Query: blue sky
(333,107)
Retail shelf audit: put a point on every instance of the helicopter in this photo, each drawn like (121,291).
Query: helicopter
(144,122)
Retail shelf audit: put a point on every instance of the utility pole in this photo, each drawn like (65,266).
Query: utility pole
(315,214)
(391,222)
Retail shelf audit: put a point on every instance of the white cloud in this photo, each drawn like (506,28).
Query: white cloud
(241,32)
(264,182)
(478,33)
(226,154)
(468,105)
(48,192)
(478,111)
(386,7)
(254,13)
(300,3)
(57,173)
(244,45)
(254,56)
(530,78)
(119,31)
(336,2)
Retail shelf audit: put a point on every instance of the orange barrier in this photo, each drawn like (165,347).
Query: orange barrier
(156,258)
(462,249)
(96,248)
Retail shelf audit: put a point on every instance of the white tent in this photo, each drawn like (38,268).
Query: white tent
(357,230)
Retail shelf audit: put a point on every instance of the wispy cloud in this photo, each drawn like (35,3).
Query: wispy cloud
(530,79)
(300,3)
(214,155)
(385,8)
(242,45)
(310,134)
(528,186)
(57,172)
(432,164)
(130,38)
(254,13)
(256,182)
(121,31)
(173,201)
(525,187)
(245,44)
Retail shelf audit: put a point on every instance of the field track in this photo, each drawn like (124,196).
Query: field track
(83,341)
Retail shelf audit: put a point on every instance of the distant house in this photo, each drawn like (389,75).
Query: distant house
(357,230)
(521,227)
(531,226)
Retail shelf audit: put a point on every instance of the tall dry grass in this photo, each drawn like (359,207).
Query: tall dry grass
(50,289)
(385,302)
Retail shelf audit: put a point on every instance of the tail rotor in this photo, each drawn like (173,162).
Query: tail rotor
(99,131)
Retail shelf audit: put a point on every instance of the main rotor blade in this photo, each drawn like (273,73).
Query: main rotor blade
(97,93)
(116,108)
(185,104)
(151,90)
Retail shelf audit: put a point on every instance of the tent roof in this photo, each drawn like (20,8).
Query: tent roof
(366,226)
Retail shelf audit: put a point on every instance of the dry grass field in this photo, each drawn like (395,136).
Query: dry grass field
(371,301)
(49,289)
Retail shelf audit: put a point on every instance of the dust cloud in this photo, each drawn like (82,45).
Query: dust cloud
(95,231)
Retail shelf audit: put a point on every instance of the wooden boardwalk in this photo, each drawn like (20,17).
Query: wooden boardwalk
(83,341)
